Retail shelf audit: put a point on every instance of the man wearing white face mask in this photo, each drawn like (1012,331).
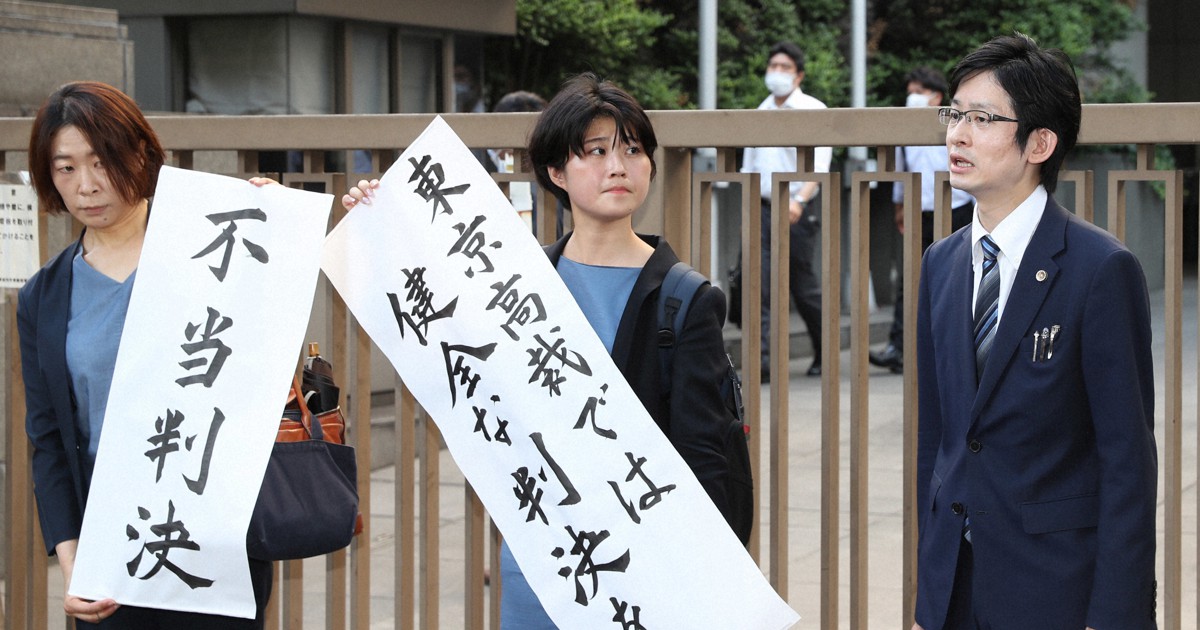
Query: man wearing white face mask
(926,88)
(785,73)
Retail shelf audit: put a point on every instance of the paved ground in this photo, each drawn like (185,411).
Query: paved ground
(885,507)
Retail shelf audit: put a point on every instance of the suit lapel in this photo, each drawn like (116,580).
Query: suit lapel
(1025,299)
(53,313)
(954,318)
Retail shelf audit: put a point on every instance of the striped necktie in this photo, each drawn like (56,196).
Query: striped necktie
(986,303)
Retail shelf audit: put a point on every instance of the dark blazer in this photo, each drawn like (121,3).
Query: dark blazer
(43,308)
(693,419)
(1053,460)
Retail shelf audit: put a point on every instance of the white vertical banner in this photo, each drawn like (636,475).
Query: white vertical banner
(610,526)
(216,322)
(18,234)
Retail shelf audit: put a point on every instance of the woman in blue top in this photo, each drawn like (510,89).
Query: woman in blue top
(92,154)
(593,148)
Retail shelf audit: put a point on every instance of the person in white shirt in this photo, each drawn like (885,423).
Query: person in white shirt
(926,88)
(785,73)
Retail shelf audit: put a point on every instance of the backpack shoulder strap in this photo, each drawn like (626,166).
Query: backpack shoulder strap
(679,288)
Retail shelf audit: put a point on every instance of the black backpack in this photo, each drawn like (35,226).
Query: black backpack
(679,288)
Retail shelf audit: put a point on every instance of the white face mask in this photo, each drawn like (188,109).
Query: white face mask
(781,84)
(916,99)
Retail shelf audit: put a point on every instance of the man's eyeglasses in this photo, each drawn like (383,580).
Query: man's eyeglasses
(978,118)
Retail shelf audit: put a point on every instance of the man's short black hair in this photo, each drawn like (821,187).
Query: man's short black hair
(520,102)
(791,50)
(560,129)
(1041,86)
(929,79)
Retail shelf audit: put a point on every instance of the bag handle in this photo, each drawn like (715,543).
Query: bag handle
(311,423)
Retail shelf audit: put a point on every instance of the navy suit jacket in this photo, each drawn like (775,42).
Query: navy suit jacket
(43,308)
(1054,459)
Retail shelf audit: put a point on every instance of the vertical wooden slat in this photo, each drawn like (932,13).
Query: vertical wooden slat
(25,587)
(943,200)
(335,563)
(292,594)
(271,614)
(1173,403)
(912,273)
(496,585)
(831,344)
(18,493)
(247,161)
(184,159)
(780,373)
(1116,206)
(860,236)
(1084,205)
(675,177)
(430,535)
(39,614)
(405,577)
(751,359)
(360,548)
(780,351)
(546,220)
(474,531)
(702,225)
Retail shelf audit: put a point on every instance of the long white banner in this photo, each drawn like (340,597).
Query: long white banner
(610,526)
(216,322)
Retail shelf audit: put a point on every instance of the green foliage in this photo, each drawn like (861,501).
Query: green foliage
(650,47)
(901,37)
(560,38)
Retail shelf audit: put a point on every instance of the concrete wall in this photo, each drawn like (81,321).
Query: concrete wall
(45,45)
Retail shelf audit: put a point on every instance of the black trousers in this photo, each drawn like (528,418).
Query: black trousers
(137,618)
(959,217)
(803,281)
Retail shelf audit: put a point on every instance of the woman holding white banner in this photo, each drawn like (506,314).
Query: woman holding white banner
(92,154)
(593,149)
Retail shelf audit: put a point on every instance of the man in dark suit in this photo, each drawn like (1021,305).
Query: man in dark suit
(1037,465)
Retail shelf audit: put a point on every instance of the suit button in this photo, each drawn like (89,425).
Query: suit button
(956,508)
(974,446)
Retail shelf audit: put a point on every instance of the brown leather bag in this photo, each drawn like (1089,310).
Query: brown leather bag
(308,502)
(297,420)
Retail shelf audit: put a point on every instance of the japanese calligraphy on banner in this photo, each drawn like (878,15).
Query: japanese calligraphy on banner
(18,234)
(609,525)
(216,321)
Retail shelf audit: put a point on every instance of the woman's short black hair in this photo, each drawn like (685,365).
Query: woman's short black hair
(1041,86)
(561,127)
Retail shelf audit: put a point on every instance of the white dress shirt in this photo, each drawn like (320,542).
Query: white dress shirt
(1012,236)
(768,160)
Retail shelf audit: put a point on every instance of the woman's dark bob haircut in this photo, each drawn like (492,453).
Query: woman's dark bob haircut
(118,132)
(560,129)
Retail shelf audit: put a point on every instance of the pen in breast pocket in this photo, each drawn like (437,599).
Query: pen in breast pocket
(1053,334)
(1036,335)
